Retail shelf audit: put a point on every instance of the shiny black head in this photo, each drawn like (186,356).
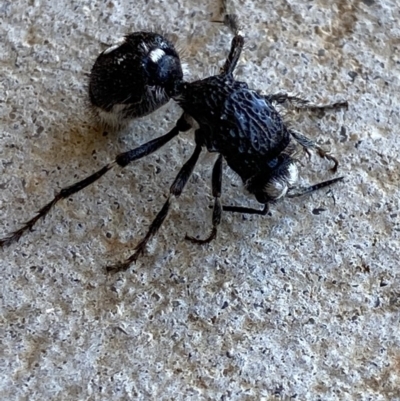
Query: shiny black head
(134,78)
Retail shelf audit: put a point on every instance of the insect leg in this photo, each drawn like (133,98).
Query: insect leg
(300,103)
(236,45)
(122,160)
(175,191)
(217,210)
(307,143)
(246,210)
(292,193)
(232,22)
(295,192)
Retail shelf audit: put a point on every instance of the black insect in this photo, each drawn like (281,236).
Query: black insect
(144,72)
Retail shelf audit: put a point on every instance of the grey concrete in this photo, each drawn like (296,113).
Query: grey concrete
(295,305)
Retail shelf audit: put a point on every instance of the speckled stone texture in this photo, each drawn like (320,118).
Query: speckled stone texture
(301,304)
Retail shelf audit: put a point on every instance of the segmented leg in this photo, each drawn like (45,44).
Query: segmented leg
(232,22)
(300,103)
(307,144)
(236,45)
(175,191)
(217,210)
(122,160)
(292,193)
(295,192)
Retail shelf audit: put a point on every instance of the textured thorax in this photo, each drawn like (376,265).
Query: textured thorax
(236,122)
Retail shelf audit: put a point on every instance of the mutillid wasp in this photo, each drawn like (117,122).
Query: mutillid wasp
(242,126)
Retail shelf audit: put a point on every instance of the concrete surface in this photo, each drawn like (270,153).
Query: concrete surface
(302,304)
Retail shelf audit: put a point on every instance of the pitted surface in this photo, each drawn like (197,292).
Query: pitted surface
(299,304)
